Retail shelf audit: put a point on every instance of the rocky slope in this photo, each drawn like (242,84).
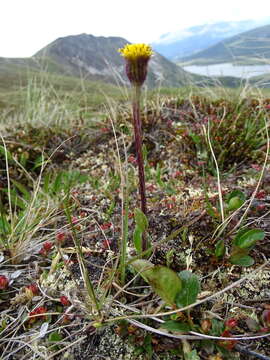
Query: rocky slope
(89,56)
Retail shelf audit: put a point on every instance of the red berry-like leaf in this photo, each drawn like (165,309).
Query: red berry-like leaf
(266,318)
(34,288)
(106,244)
(60,237)
(227,344)
(261,195)
(74,220)
(64,301)
(47,246)
(37,314)
(256,167)
(3,282)
(231,323)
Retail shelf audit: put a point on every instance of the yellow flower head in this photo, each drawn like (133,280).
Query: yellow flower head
(137,57)
(135,51)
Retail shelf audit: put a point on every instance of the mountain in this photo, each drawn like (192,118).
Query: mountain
(98,57)
(176,45)
(67,60)
(250,47)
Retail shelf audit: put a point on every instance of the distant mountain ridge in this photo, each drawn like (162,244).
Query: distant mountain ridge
(97,59)
(185,42)
(250,47)
(90,56)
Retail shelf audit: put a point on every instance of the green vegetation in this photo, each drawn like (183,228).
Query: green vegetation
(73,270)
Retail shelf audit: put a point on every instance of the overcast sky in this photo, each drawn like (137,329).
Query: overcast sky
(28,25)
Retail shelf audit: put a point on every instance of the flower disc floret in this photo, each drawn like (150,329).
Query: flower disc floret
(135,51)
(137,57)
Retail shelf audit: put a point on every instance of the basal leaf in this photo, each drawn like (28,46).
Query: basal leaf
(220,248)
(241,260)
(164,281)
(248,237)
(22,189)
(137,239)
(190,289)
(176,326)
(235,203)
(192,355)
(55,337)
(140,219)
(236,193)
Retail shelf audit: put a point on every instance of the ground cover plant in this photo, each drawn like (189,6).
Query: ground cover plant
(76,281)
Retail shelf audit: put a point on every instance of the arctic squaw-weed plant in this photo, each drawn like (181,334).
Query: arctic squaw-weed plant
(137,57)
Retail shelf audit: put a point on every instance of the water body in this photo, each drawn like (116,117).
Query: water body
(229,69)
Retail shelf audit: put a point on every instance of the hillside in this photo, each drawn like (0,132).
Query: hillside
(90,56)
(64,63)
(24,80)
(250,47)
(185,42)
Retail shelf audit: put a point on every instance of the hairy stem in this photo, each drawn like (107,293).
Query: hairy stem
(138,146)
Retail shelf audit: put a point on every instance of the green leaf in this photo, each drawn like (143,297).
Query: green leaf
(177,326)
(190,289)
(22,189)
(192,355)
(137,239)
(236,193)
(38,162)
(235,203)
(241,260)
(46,185)
(164,281)
(4,224)
(158,176)
(142,266)
(248,237)
(235,200)
(16,200)
(56,187)
(195,138)
(217,327)
(140,219)
(220,249)
(147,344)
(55,337)
(6,153)
(141,225)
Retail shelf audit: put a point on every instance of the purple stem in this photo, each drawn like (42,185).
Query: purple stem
(138,146)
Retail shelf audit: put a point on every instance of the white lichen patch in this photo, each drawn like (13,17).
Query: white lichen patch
(109,346)
(247,181)
(58,281)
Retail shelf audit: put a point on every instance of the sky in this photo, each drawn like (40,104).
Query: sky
(26,26)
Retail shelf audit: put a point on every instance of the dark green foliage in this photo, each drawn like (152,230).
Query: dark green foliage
(235,200)
(236,131)
(247,238)
(177,326)
(164,281)
(243,242)
(190,289)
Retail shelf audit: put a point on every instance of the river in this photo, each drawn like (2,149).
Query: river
(229,69)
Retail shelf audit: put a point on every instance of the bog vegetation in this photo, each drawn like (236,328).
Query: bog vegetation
(77,280)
